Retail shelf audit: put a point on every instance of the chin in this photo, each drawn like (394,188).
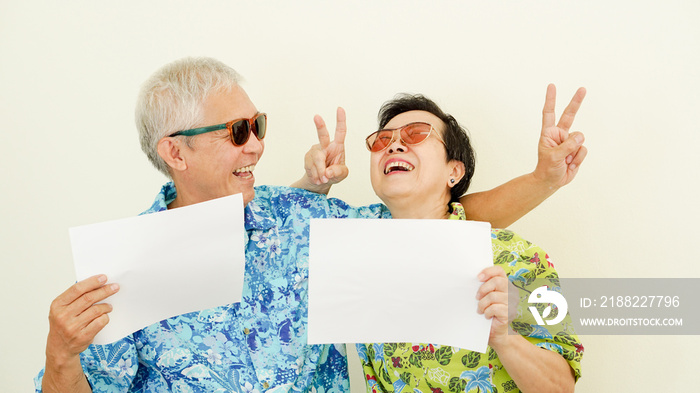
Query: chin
(390,188)
(392,194)
(248,195)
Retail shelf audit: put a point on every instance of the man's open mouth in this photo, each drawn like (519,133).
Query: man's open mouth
(246,172)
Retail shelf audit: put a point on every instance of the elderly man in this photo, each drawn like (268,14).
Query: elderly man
(198,126)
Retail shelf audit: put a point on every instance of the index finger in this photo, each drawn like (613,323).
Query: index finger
(567,118)
(548,117)
(491,271)
(494,279)
(340,126)
(323,138)
(81,287)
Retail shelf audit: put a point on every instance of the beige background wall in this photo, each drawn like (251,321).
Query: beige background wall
(70,71)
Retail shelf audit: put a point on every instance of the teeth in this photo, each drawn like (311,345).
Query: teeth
(248,168)
(398,164)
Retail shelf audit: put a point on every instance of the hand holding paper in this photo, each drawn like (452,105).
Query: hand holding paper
(493,302)
(167,263)
(74,317)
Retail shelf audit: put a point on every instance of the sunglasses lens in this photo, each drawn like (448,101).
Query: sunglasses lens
(240,132)
(379,140)
(411,134)
(415,133)
(260,126)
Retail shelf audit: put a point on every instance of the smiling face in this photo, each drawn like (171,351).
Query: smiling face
(413,175)
(214,167)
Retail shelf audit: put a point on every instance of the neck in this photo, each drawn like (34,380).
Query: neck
(179,201)
(410,209)
(184,197)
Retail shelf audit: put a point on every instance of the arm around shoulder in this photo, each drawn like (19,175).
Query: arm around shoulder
(505,204)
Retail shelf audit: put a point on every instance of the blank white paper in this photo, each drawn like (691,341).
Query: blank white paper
(375,281)
(166,263)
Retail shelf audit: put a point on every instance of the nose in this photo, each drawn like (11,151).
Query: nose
(397,145)
(253,145)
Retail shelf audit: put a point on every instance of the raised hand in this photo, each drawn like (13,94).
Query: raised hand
(324,163)
(559,152)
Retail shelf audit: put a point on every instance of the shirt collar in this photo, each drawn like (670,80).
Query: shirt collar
(165,196)
(457,212)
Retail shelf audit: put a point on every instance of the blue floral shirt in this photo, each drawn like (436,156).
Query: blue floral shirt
(257,345)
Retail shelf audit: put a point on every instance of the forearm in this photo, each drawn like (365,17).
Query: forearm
(508,202)
(64,376)
(532,368)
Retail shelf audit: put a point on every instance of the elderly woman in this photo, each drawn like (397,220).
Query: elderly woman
(421,164)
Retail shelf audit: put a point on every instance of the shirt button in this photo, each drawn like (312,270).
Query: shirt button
(246,331)
(266,385)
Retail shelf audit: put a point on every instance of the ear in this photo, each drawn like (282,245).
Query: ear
(457,172)
(170,150)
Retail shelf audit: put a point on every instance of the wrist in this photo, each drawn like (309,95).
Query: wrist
(59,360)
(64,374)
(543,182)
(62,364)
(305,184)
(504,341)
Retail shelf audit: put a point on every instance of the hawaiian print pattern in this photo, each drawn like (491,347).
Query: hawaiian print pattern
(257,345)
(406,367)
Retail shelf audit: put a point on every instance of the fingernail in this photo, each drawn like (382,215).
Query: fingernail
(114,287)
(102,279)
(481,276)
(579,138)
(324,179)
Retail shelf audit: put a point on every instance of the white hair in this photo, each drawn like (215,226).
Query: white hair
(172,100)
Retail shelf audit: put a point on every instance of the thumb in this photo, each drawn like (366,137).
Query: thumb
(571,144)
(337,172)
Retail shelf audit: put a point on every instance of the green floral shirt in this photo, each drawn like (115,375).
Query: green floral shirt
(413,367)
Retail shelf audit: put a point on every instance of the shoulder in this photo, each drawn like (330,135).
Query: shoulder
(515,253)
(506,240)
(276,192)
(288,205)
(341,209)
(310,204)
(276,197)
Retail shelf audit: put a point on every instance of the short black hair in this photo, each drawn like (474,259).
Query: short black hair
(457,144)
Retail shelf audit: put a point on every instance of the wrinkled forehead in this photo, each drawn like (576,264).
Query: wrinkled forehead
(404,118)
